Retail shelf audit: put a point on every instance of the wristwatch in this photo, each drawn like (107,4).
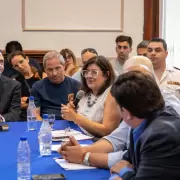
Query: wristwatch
(86,159)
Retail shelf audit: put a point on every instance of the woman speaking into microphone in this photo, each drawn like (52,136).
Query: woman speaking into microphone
(97,113)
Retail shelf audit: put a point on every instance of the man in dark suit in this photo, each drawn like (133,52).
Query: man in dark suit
(154,152)
(10,97)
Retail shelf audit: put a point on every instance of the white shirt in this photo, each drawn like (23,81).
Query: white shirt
(77,75)
(170,81)
(118,68)
(96,112)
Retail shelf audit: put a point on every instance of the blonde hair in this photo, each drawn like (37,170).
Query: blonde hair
(140,61)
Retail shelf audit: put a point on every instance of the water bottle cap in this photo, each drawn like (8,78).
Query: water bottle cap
(23,139)
(31,98)
(45,116)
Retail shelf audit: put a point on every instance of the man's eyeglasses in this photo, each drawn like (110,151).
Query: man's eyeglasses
(93,73)
(89,50)
(122,47)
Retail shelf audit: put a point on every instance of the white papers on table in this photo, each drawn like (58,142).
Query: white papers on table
(61,135)
(55,147)
(71,166)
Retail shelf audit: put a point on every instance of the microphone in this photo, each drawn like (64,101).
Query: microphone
(79,95)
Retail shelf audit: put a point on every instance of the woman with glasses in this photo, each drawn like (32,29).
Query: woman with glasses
(27,75)
(97,112)
(70,62)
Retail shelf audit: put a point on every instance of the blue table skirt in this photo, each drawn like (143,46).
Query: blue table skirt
(39,165)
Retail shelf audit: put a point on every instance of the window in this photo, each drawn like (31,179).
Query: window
(170,29)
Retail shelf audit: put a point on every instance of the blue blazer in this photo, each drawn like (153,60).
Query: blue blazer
(157,152)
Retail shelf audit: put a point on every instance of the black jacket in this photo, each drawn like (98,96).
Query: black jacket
(10,99)
(157,152)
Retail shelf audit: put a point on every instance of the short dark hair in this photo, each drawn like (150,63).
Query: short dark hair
(13,46)
(92,50)
(123,38)
(138,93)
(143,44)
(161,41)
(105,66)
(15,53)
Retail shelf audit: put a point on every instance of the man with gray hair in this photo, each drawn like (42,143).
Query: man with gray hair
(53,91)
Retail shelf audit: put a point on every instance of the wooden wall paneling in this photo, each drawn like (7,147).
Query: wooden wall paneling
(151,19)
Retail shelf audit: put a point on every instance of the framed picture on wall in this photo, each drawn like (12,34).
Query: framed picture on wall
(70,15)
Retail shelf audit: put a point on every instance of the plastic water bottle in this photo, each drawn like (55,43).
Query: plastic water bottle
(23,160)
(31,115)
(45,137)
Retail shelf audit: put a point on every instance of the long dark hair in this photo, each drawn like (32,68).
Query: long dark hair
(107,70)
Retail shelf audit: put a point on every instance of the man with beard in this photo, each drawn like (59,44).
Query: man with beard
(123,49)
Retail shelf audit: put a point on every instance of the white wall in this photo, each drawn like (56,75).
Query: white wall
(11,29)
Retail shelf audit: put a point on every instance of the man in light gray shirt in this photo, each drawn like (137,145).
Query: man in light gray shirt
(105,152)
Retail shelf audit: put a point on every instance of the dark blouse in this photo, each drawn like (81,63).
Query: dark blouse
(26,85)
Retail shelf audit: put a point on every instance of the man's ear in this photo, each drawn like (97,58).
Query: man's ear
(127,114)
(166,53)
(130,50)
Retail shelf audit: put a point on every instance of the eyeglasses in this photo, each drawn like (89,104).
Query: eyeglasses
(17,65)
(67,57)
(93,73)
(89,50)
(122,47)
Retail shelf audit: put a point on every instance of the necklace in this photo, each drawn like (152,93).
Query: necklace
(89,103)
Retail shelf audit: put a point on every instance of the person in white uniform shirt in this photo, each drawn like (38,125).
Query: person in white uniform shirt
(97,112)
(123,49)
(167,77)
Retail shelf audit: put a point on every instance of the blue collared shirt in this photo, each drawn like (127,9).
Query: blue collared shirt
(136,134)
(138,131)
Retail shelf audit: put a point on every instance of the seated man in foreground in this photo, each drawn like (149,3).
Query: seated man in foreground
(10,96)
(53,90)
(155,137)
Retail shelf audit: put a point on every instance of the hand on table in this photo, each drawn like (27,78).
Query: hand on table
(72,151)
